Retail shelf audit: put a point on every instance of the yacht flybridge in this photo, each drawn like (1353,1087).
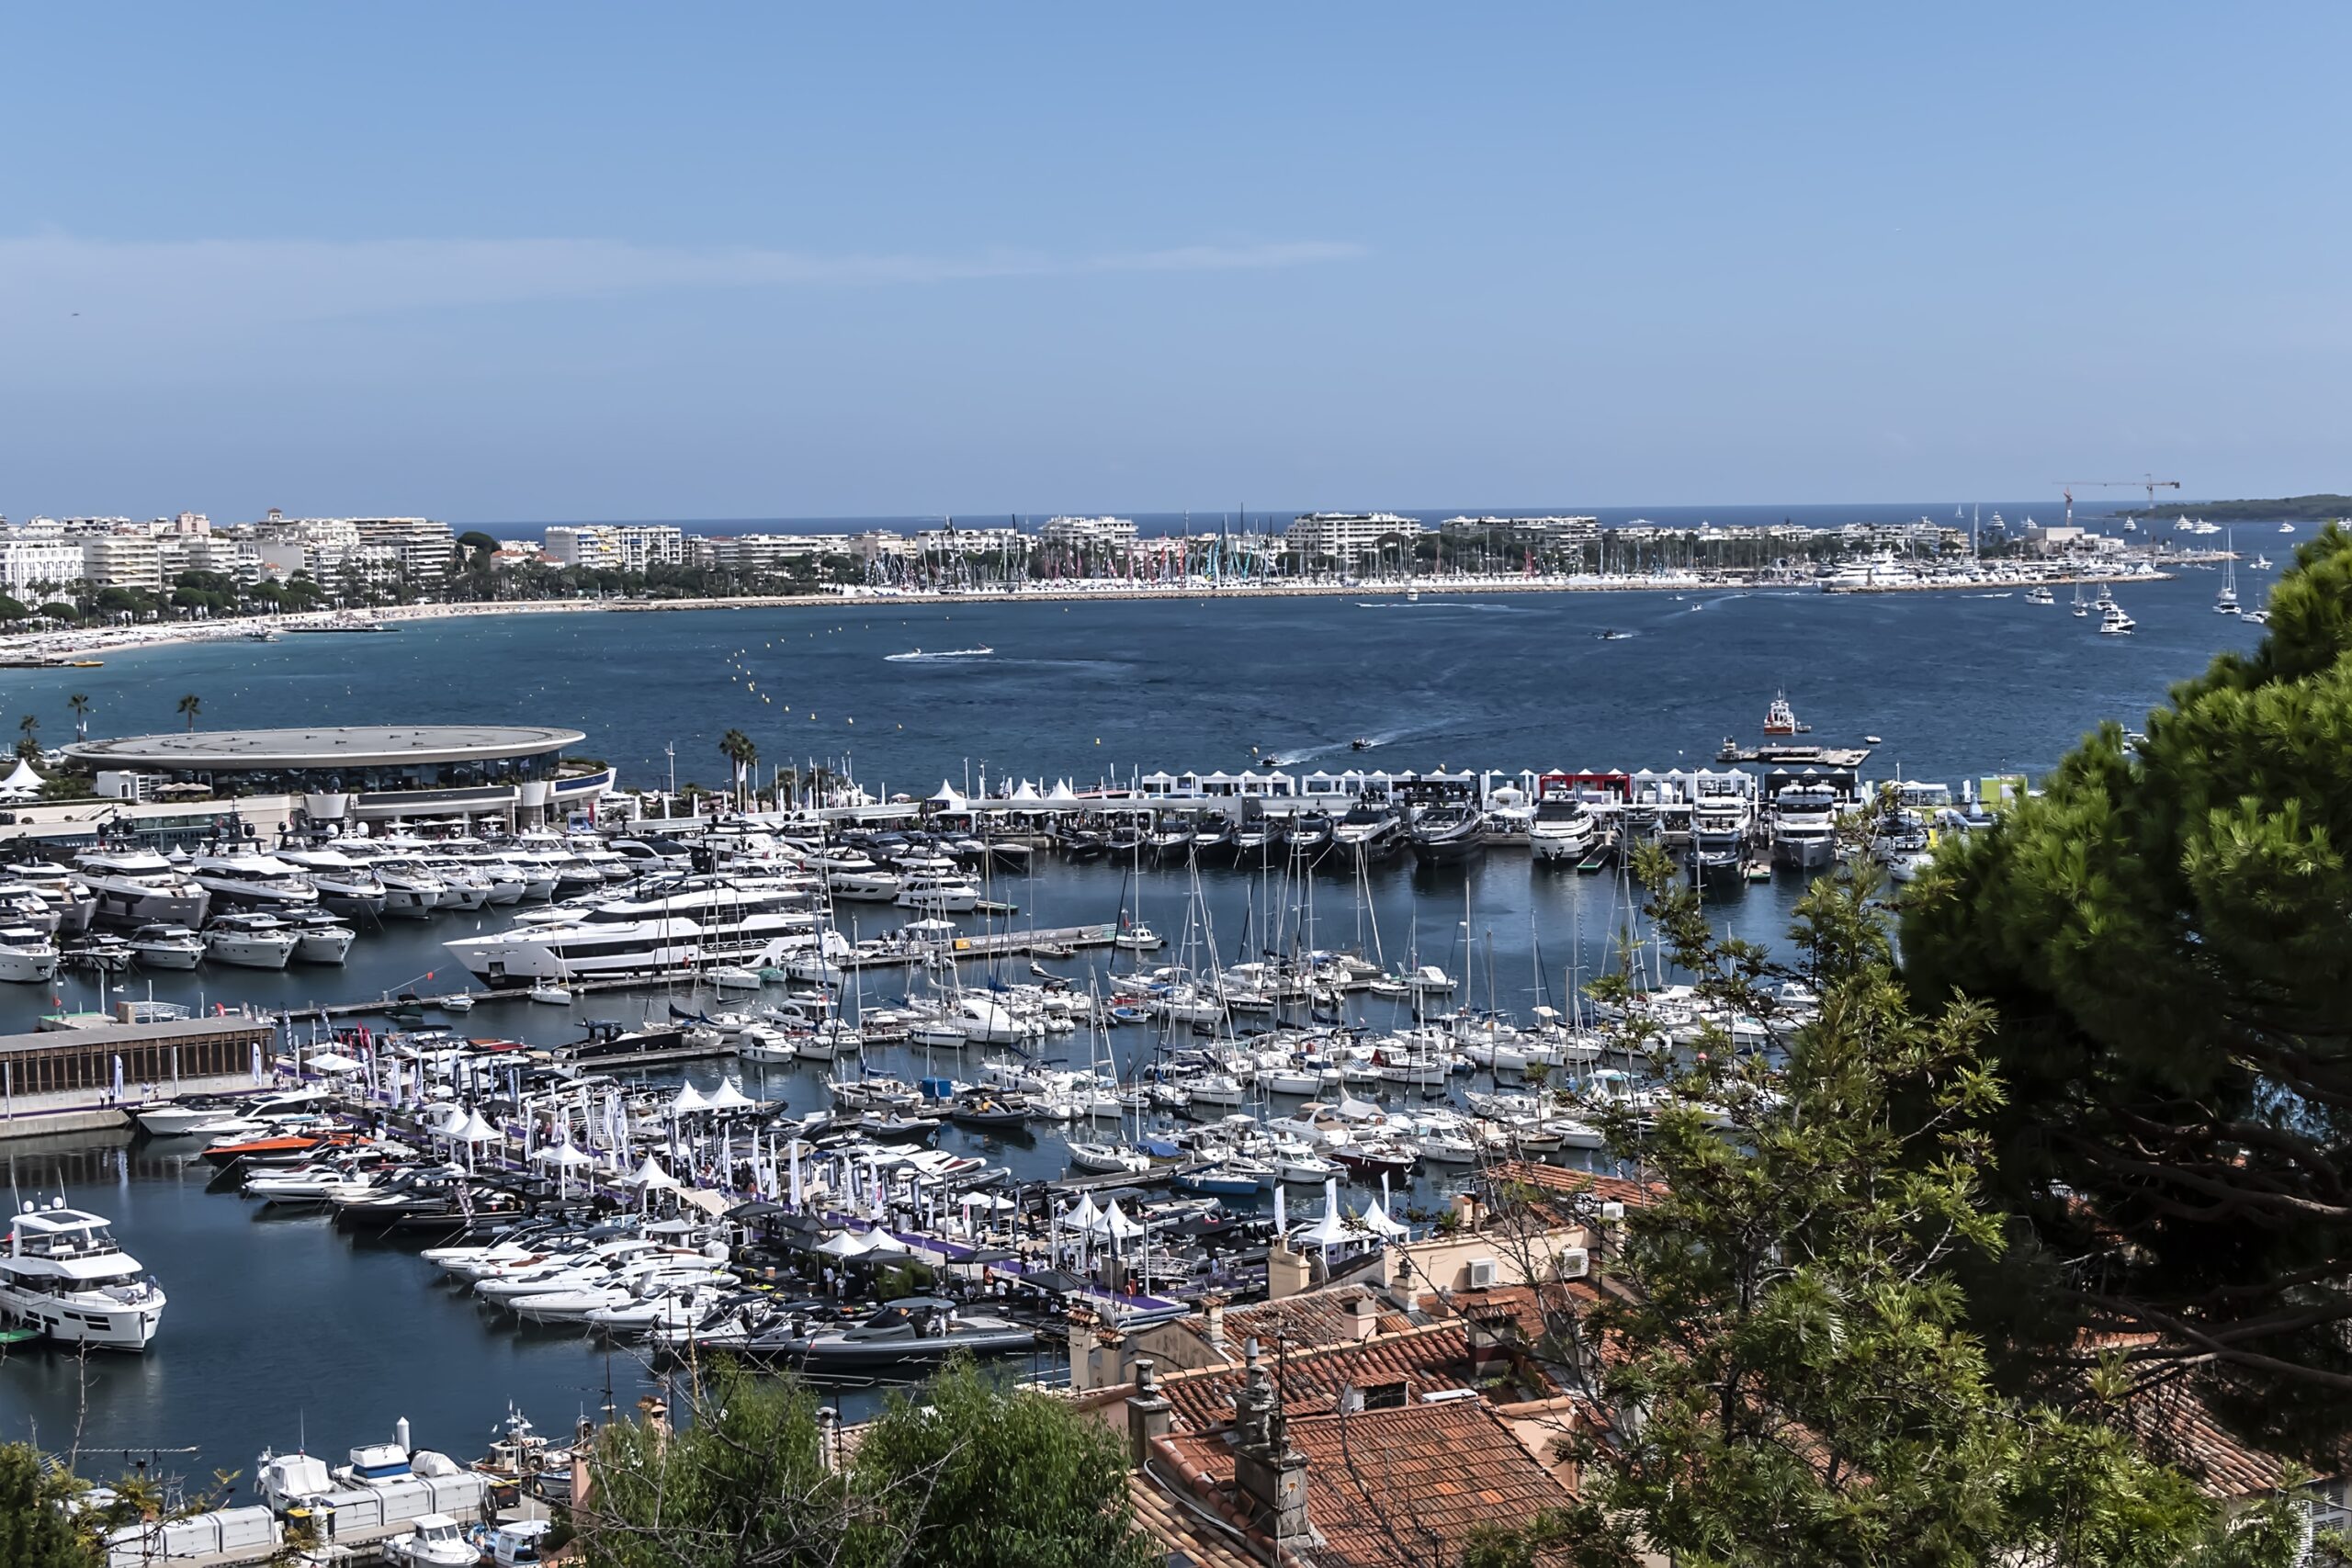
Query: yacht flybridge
(692,922)
(254,881)
(138,887)
(63,1276)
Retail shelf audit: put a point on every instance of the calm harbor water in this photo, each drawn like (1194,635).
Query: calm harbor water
(281,1329)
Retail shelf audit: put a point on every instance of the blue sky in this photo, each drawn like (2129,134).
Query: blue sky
(525,262)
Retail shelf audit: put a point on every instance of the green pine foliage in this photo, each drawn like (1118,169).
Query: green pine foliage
(2165,939)
(35,1530)
(1785,1353)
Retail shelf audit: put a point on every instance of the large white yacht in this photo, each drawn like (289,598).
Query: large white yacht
(1563,829)
(27,956)
(1804,826)
(63,1275)
(72,903)
(345,885)
(251,941)
(690,923)
(1720,820)
(138,887)
(411,890)
(254,882)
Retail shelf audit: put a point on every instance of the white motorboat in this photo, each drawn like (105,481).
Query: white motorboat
(434,1540)
(2113,622)
(1108,1160)
(574,1305)
(345,885)
(1804,826)
(675,1305)
(166,947)
(248,881)
(320,938)
(769,1047)
(63,1274)
(938,892)
(251,941)
(411,890)
(463,887)
(552,996)
(136,887)
(27,956)
(695,923)
(170,1121)
(1563,829)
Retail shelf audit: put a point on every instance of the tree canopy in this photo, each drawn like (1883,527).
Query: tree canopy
(958,1473)
(1784,1354)
(2163,938)
(35,1531)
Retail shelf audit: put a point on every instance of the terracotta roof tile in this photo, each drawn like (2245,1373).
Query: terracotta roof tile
(1391,1488)
(1564,1182)
(1180,1529)
(1428,1359)
(1318,1317)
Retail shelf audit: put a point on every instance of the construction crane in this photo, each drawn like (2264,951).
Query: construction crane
(2148,482)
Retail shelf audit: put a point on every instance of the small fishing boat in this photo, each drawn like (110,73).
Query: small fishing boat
(1781,719)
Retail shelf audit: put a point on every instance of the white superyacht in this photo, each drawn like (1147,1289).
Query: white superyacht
(63,1275)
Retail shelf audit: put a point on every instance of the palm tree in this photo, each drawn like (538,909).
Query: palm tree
(80,704)
(741,754)
(788,780)
(28,747)
(191,705)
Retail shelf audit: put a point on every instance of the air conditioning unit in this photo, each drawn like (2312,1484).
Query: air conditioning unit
(1575,1262)
(1483,1273)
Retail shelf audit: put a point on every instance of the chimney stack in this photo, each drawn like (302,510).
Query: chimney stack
(1150,1414)
(1212,1321)
(1363,1316)
(1269,1475)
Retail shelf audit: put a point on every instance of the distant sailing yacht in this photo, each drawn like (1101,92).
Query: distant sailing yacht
(2226,603)
(2081,607)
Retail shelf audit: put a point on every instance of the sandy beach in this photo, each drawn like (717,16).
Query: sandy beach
(63,647)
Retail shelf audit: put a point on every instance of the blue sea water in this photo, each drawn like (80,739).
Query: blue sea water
(282,1327)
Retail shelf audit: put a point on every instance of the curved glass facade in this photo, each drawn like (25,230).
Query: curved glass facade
(375,777)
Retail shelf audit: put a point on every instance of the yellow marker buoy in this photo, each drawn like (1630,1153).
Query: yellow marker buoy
(853,721)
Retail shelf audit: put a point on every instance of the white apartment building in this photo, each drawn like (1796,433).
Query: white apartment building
(209,552)
(1103,533)
(319,546)
(611,546)
(28,558)
(122,560)
(416,548)
(1347,537)
(772,552)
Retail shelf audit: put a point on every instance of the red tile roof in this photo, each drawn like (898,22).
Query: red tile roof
(1183,1525)
(1387,1488)
(1318,1317)
(1427,1357)
(1564,1182)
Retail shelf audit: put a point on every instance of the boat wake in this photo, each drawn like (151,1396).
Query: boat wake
(917,654)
